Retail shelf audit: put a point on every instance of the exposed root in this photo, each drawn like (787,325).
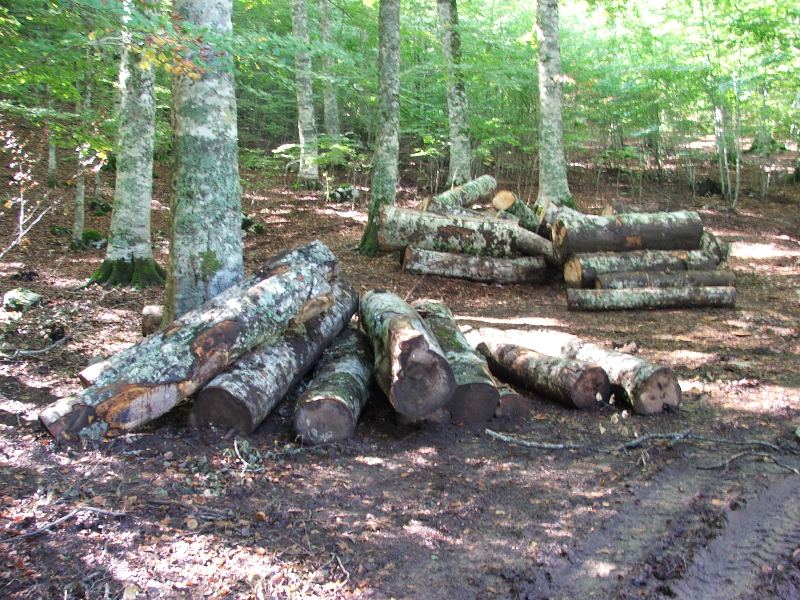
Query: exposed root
(137,272)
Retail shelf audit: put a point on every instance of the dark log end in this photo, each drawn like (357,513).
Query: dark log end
(425,381)
(513,406)
(323,420)
(216,406)
(67,427)
(473,403)
(591,388)
(657,392)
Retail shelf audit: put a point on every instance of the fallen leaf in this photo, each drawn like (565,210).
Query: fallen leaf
(191,523)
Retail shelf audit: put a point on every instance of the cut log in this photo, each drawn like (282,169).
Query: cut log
(452,211)
(242,397)
(152,315)
(651,297)
(656,279)
(512,405)
(90,374)
(148,379)
(525,269)
(509,203)
(465,195)
(475,397)
(329,408)
(573,383)
(715,246)
(410,366)
(400,228)
(679,230)
(547,213)
(582,269)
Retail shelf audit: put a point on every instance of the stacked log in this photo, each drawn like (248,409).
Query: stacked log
(462,196)
(651,297)
(524,269)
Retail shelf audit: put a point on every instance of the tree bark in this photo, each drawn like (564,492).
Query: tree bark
(243,396)
(655,279)
(401,227)
(308,172)
(573,383)
(90,374)
(329,408)
(330,104)
(387,149)
(52,160)
(205,255)
(457,106)
(475,397)
(148,379)
(548,213)
(410,365)
(624,232)
(462,196)
(581,270)
(651,297)
(526,269)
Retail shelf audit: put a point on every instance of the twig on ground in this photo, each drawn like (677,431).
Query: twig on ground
(726,463)
(67,517)
(24,353)
(528,444)
(346,572)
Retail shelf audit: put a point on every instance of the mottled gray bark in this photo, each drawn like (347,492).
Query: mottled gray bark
(656,279)
(206,238)
(329,408)
(712,244)
(52,162)
(387,146)
(475,397)
(464,195)
(330,104)
(306,120)
(79,216)
(651,297)
(146,380)
(525,269)
(457,106)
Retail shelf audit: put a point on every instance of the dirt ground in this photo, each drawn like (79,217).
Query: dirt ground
(401,512)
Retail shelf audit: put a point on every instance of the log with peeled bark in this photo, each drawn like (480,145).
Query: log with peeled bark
(475,397)
(464,195)
(410,366)
(524,269)
(329,408)
(581,270)
(148,379)
(573,383)
(680,230)
(243,396)
(512,405)
(401,227)
(651,297)
(657,279)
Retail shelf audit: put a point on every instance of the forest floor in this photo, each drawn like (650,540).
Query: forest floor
(402,512)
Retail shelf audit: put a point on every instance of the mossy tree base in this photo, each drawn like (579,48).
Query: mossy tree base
(137,272)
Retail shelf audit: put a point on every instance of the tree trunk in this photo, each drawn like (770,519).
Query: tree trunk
(624,232)
(330,104)
(573,383)
(475,397)
(401,227)
(457,108)
(410,366)
(513,405)
(80,204)
(329,408)
(243,396)
(306,120)
(152,317)
(148,379)
(205,255)
(581,270)
(462,196)
(526,269)
(52,162)
(651,297)
(657,279)
(387,147)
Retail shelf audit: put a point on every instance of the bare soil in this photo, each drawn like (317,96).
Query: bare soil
(399,512)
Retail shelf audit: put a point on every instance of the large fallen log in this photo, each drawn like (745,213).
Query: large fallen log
(400,228)
(148,379)
(657,279)
(679,230)
(571,382)
(243,396)
(410,366)
(475,397)
(651,297)
(581,270)
(462,196)
(524,269)
(328,410)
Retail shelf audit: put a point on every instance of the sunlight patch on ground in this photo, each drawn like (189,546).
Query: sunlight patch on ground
(344,213)
(760,251)
(26,411)
(598,568)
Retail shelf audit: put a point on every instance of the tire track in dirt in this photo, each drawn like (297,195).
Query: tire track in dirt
(757,535)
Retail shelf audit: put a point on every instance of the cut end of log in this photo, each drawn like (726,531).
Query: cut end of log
(425,381)
(660,391)
(218,407)
(152,315)
(512,406)
(323,420)
(573,273)
(473,403)
(503,200)
(90,374)
(591,388)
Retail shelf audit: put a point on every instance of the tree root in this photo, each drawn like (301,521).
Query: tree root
(137,272)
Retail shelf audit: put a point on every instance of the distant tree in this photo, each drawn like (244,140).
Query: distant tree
(306,121)
(330,104)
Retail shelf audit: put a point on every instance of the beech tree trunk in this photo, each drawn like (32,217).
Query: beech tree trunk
(655,279)
(581,270)
(525,269)
(475,397)
(308,172)
(651,297)
(148,379)
(624,232)
(410,365)
(243,396)
(462,196)
(329,408)
(401,227)
(571,382)
(330,104)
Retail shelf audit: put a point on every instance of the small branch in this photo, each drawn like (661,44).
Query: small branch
(726,463)
(636,442)
(67,517)
(528,444)
(24,353)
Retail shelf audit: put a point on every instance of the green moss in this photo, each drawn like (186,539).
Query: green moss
(209,264)
(138,272)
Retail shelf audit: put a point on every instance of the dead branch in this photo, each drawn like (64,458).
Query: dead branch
(25,353)
(67,517)
(726,463)
(528,444)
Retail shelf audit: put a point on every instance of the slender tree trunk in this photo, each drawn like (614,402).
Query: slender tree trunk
(306,121)
(51,150)
(457,108)
(384,160)
(80,179)
(330,104)
(206,237)
(721,135)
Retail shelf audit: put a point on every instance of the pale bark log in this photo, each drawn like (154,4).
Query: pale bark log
(306,120)
(463,196)
(547,213)
(526,269)
(475,397)
(329,408)
(330,103)
(148,379)
(410,366)
(640,298)
(655,279)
